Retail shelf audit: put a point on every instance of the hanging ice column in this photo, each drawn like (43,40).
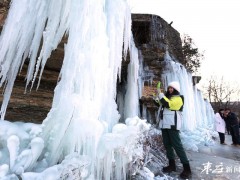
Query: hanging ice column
(84,102)
(132,95)
(197,112)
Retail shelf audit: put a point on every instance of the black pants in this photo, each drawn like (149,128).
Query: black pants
(222,137)
(228,129)
(234,130)
(171,142)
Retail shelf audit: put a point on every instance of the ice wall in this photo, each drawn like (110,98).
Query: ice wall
(197,112)
(83,118)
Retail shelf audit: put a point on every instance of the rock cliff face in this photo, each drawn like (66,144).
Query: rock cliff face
(152,35)
(4,6)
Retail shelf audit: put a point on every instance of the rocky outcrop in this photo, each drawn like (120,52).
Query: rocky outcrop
(153,36)
(4,6)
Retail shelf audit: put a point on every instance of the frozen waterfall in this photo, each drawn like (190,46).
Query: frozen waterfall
(81,131)
(197,112)
(84,114)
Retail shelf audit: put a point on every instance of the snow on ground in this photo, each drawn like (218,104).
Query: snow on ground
(22,152)
(216,161)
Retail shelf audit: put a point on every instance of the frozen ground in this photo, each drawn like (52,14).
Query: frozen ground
(215,162)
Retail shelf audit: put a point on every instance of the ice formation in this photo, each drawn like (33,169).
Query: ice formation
(84,109)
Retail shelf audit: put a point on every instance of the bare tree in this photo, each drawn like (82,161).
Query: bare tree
(222,94)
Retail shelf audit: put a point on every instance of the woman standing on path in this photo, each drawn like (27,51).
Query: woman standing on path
(170,124)
(220,125)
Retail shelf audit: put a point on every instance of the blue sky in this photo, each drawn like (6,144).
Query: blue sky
(213,25)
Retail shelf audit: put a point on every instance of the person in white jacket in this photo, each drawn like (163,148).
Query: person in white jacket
(220,125)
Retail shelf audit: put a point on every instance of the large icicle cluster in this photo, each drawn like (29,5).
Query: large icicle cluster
(84,115)
(21,37)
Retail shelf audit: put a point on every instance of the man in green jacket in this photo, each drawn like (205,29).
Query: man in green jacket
(170,124)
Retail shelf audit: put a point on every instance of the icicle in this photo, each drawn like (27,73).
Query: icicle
(132,96)
(56,26)
(13,148)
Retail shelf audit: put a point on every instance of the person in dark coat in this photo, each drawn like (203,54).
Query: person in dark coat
(227,123)
(232,120)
